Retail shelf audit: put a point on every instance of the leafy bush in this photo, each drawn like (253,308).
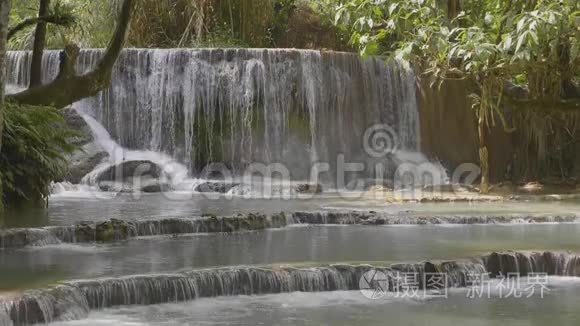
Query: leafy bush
(34,147)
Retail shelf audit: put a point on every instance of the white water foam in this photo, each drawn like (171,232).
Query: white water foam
(175,172)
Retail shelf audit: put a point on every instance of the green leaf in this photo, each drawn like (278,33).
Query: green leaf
(393,7)
(521,41)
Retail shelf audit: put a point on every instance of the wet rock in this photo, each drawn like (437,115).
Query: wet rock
(216,187)
(504,263)
(167,226)
(379,189)
(308,217)
(345,218)
(127,171)
(147,186)
(118,187)
(256,221)
(76,122)
(82,164)
(85,232)
(451,188)
(33,311)
(16,238)
(278,220)
(89,154)
(156,187)
(113,230)
(523,263)
(308,188)
(531,187)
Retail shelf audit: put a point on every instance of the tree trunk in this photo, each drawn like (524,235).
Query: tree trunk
(483,155)
(39,43)
(453,8)
(4,21)
(69,88)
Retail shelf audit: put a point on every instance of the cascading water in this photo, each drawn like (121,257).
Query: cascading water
(238,106)
(87,232)
(74,299)
(174,171)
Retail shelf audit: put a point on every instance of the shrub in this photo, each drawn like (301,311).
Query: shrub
(34,148)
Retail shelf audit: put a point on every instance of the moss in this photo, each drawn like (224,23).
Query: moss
(112,231)
(105,232)
(85,233)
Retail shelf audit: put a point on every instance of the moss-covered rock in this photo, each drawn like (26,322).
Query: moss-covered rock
(113,230)
(85,232)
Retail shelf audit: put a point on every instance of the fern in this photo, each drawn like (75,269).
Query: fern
(35,144)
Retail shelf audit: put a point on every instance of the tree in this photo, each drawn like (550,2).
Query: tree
(39,44)
(69,87)
(525,54)
(4,20)
(35,136)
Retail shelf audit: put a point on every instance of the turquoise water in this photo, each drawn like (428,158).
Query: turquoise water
(67,210)
(295,245)
(558,306)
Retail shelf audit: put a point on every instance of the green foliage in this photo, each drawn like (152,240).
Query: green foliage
(168,23)
(498,38)
(248,20)
(494,43)
(34,146)
(283,10)
(219,37)
(62,27)
(93,27)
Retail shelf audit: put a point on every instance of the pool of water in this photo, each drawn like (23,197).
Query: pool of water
(556,306)
(295,245)
(37,267)
(67,210)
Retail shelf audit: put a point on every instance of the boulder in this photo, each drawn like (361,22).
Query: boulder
(127,170)
(83,165)
(89,154)
(531,187)
(75,121)
(113,230)
(156,186)
(217,187)
(111,186)
(85,232)
(148,186)
(307,188)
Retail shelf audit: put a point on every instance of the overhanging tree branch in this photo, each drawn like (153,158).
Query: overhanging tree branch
(60,20)
(68,88)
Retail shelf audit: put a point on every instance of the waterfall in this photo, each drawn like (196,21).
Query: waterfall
(74,299)
(88,232)
(174,171)
(238,106)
